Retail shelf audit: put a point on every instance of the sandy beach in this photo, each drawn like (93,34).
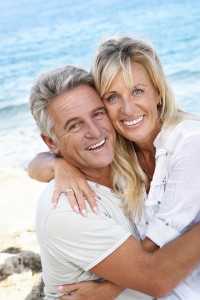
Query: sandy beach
(20,269)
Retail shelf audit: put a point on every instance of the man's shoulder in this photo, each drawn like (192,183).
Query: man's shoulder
(45,209)
(48,189)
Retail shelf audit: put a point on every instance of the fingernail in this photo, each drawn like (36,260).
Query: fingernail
(54,204)
(76,208)
(84,212)
(96,210)
(60,287)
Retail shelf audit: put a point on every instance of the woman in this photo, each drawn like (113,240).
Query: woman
(165,146)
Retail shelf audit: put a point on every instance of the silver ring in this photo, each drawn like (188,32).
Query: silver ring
(69,190)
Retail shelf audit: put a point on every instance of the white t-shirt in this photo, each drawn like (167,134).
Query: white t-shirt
(173,202)
(72,244)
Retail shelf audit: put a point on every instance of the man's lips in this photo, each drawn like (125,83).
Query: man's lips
(97,145)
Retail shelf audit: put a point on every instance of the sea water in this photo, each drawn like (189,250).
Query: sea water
(39,35)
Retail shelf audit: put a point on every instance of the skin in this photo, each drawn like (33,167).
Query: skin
(82,138)
(134,113)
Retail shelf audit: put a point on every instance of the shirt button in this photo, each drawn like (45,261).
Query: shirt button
(146,222)
(159,202)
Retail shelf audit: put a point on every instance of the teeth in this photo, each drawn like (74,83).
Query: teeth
(130,123)
(92,147)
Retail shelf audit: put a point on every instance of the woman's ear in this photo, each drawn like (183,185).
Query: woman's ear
(159,100)
(51,144)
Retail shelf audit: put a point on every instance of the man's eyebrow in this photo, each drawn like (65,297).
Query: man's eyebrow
(70,121)
(99,108)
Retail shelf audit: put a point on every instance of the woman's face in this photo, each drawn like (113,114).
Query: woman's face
(134,112)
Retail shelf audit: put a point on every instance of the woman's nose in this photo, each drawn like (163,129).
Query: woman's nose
(127,106)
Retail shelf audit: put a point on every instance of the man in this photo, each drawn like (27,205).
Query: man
(74,124)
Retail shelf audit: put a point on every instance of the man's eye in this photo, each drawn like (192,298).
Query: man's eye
(74,126)
(137,92)
(100,113)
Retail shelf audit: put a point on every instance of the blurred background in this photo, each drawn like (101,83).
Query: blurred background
(38,35)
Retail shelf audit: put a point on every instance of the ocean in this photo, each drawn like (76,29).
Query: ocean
(38,35)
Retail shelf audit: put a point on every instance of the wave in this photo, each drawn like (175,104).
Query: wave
(14,108)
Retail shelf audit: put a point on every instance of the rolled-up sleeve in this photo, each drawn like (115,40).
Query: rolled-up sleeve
(160,232)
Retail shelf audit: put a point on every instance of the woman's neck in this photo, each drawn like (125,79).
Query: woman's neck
(146,159)
(145,152)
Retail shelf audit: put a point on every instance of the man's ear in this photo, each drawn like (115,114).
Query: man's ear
(51,144)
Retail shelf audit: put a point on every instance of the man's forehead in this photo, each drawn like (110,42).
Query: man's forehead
(80,93)
(76,103)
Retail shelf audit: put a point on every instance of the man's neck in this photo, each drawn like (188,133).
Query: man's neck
(101,176)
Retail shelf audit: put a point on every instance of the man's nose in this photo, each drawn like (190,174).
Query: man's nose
(93,130)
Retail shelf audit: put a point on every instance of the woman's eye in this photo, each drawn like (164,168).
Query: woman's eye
(137,92)
(111,98)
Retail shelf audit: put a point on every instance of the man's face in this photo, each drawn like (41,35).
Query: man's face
(86,138)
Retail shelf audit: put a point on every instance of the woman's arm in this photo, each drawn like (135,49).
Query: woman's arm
(45,166)
(136,269)
(41,167)
(106,290)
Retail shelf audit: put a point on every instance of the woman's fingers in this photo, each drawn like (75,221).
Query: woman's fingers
(77,201)
(70,291)
(69,288)
(85,290)
(77,190)
(91,197)
(82,192)
(69,297)
(56,194)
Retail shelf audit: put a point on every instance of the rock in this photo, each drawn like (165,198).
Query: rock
(20,268)
(19,263)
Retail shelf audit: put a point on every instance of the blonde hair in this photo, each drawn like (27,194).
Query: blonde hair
(116,54)
(127,178)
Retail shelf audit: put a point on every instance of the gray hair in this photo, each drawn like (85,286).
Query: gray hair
(49,85)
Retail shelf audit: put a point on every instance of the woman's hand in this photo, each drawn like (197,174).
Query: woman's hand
(72,182)
(45,166)
(90,290)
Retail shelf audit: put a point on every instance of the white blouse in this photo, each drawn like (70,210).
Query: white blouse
(173,202)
